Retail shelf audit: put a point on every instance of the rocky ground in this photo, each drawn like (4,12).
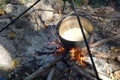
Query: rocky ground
(25,45)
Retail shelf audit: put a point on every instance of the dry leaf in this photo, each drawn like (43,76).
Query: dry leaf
(12,34)
(114,48)
(117,74)
(15,62)
(2,12)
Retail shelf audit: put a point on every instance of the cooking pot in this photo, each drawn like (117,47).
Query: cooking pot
(69,31)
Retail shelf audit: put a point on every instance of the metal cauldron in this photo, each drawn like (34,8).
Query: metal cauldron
(69,31)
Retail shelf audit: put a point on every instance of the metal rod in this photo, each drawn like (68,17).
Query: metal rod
(88,48)
(19,16)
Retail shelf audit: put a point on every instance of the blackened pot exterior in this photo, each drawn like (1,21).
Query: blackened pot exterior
(70,22)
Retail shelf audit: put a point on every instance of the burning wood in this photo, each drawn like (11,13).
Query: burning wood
(77,54)
(59,50)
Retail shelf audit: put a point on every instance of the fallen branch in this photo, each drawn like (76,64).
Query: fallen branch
(44,68)
(114,15)
(105,40)
(106,55)
(90,74)
(80,70)
(87,73)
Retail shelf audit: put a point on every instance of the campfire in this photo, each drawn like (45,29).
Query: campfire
(64,57)
(72,38)
(72,48)
(77,54)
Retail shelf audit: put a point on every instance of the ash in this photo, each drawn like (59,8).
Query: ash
(29,41)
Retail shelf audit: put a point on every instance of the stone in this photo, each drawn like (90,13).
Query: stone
(5,58)
(9,8)
(8,45)
(118,58)
(57,18)
(44,10)
(15,10)
(6,20)
(7,50)
(47,13)
(31,1)
(57,5)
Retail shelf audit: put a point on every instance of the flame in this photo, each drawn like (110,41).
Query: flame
(77,54)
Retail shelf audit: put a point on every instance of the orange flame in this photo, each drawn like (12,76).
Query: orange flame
(77,54)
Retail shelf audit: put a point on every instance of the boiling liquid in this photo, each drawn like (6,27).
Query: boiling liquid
(74,34)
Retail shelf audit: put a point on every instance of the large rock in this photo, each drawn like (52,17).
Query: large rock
(9,8)
(7,50)
(43,9)
(5,58)
(8,45)
(47,13)
(14,10)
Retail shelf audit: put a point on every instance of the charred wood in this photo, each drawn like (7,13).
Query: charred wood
(51,74)
(45,67)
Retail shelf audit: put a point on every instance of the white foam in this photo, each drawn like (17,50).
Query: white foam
(74,34)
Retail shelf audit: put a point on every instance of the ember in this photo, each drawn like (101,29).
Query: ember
(77,54)
(59,50)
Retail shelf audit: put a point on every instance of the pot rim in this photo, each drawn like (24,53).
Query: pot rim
(73,15)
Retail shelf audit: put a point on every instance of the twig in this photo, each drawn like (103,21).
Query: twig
(70,74)
(107,16)
(51,73)
(105,40)
(44,68)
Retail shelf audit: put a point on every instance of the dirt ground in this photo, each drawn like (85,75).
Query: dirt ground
(27,43)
